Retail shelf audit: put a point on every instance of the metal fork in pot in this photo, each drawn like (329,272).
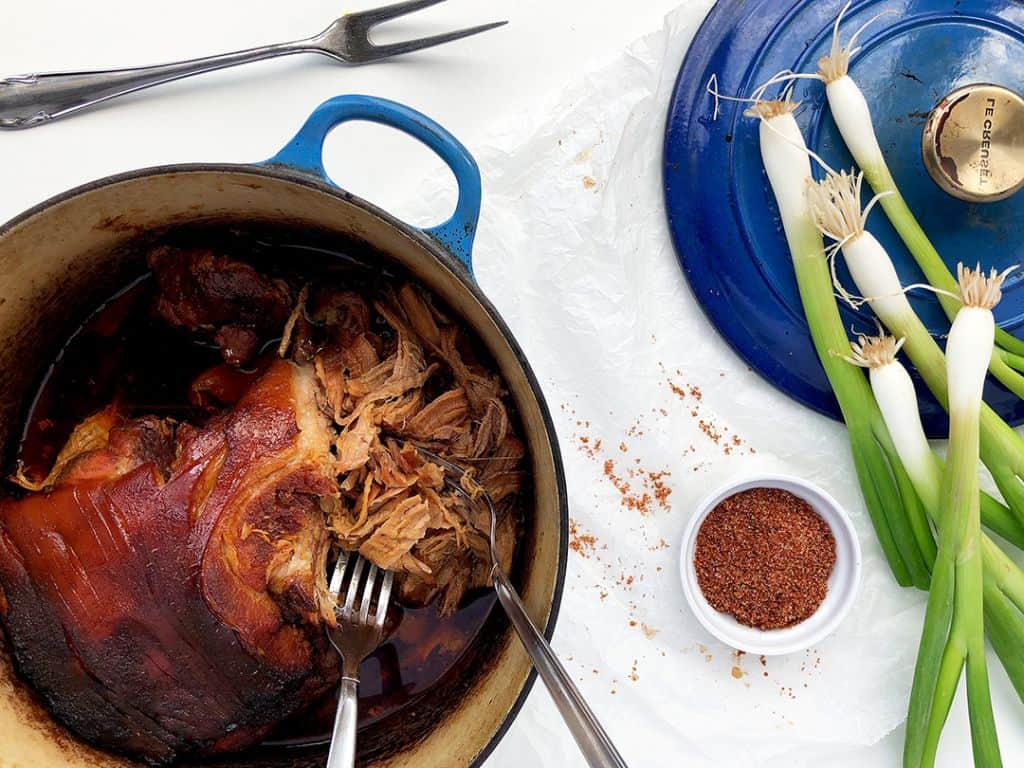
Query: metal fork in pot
(359,633)
(30,100)
(593,742)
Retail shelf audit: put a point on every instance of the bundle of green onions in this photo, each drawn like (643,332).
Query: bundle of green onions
(853,118)
(974,587)
(835,207)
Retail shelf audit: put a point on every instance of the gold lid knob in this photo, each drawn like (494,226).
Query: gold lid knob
(973,143)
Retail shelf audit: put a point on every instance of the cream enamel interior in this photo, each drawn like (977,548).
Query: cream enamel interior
(59,261)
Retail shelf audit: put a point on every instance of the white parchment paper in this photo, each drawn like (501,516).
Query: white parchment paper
(574,250)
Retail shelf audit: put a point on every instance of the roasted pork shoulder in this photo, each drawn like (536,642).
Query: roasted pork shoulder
(164,587)
(164,594)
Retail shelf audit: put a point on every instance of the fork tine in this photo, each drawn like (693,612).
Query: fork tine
(374,16)
(353,588)
(408,46)
(371,582)
(453,471)
(443,462)
(383,599)
(338,577)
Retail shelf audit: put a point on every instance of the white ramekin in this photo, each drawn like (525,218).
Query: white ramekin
(842,584)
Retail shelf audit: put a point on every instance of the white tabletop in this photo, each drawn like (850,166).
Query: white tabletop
(596,300)
(244,115)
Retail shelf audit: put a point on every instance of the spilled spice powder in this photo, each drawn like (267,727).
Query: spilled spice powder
(590,447)
(639,501)
(661,490)
(764,556)
(654,490)
(580,542)
(710,431)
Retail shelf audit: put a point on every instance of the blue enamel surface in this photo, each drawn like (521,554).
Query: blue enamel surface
(304,153)
(721,213)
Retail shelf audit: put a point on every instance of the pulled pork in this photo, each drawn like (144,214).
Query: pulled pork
(396,375)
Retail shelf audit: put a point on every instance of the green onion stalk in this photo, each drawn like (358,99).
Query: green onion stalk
(953,637)
(896,513)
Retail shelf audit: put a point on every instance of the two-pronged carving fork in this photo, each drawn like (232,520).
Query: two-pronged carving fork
(30,100)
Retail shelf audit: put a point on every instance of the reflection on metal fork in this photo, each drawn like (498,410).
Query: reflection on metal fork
(593,742)
(30,100)
(359,632)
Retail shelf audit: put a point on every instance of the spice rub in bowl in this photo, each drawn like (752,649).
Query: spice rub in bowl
(770,564)
(764,556)
(183,491)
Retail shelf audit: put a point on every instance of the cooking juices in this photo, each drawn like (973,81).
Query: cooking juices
(764,556)
(123,353)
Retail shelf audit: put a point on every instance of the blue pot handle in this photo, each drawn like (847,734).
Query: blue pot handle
(305,153)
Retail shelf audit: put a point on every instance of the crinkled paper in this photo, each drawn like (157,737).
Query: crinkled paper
(648,400)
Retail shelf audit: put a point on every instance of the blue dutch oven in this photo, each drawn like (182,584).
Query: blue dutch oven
(58,260)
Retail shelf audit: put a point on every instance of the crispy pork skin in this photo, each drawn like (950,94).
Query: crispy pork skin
(164,593)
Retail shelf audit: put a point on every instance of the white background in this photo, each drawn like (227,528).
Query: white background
(244,115)
(565,115)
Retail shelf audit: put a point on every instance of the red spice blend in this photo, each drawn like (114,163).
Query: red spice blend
(764,556)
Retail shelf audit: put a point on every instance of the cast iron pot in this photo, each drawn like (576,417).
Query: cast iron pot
(60,259)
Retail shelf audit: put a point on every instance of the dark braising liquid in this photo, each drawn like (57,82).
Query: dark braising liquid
(123,352)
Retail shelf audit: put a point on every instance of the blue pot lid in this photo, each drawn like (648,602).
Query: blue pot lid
(721,212)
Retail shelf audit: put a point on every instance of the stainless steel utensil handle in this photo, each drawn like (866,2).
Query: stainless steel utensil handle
(27,100)
(597,748)
(343,743)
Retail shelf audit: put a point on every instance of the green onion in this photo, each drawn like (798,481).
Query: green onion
(888,494)
(953,635)
(836,209)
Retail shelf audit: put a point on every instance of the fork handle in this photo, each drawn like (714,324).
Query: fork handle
(343,743)
(30,100)
(597,748)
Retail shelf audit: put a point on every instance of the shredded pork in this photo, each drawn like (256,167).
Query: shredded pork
(397,375)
